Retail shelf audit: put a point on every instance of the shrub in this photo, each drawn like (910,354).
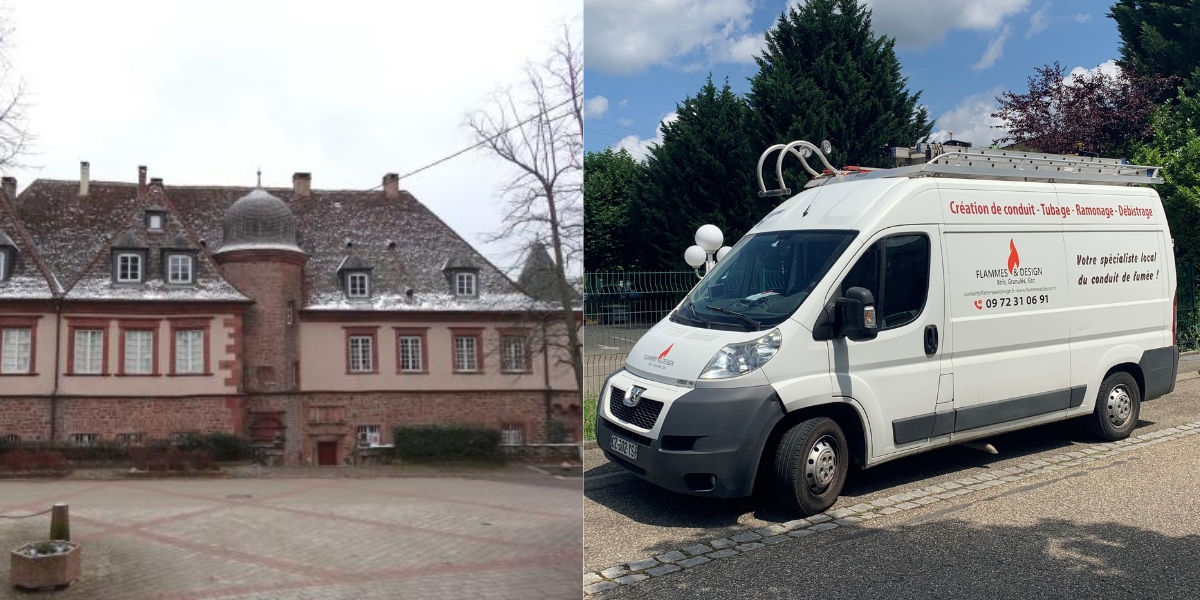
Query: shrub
(218,445)
(437,443)
(21,459)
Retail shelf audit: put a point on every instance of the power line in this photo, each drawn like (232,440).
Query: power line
(483,141)
(620,126)
(628,103)
(617,137)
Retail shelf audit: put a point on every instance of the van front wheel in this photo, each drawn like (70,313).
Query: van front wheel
(1117,407)
(810,466)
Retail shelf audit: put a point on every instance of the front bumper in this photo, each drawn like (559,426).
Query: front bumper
(708,443)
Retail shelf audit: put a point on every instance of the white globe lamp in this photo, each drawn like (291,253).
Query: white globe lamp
(722,252)
(695,256)
(709,238)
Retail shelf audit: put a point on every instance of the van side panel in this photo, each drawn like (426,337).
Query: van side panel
(1117,290)
(1011,326)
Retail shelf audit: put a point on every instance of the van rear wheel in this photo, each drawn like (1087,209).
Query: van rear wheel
(810,466)
(1117,407)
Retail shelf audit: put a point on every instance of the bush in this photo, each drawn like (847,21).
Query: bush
(159,459)
(218,445)
(20,459)
(436,443)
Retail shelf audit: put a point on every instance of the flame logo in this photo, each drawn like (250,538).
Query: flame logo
(664,353)
(1014,260)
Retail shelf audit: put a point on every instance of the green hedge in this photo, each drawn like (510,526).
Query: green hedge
(436,443)
(221,446)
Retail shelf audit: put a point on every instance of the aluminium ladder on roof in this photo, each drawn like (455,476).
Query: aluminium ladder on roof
(976,163)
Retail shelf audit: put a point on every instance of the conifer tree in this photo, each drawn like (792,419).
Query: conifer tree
(825,76)
(703,172)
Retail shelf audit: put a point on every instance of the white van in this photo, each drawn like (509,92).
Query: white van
(881,314)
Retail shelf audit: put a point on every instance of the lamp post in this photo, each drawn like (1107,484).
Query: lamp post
(708,249)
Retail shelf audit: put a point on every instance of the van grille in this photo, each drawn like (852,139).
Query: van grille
(644,415)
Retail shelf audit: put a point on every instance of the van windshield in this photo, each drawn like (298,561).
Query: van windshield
(764,278)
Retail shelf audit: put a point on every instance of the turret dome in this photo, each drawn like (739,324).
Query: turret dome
(259,220)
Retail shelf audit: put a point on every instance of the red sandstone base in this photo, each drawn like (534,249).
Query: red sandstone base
(58,570)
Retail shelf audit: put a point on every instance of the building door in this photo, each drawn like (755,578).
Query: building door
(327,454)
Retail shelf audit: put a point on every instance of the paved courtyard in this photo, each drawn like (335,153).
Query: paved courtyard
(404,537)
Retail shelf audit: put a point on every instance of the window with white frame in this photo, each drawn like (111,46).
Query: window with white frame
(368,435)
(466,358)
(155,222)
(10,439)
(129,267)
(464,284)
(139,352)
(3,265)
(130,439)
(189,351)
(179,268)
(89,351)
(512,435)
(410,354)
(16,350)
(362,358)
(512,354)
(358,285)
(85,439)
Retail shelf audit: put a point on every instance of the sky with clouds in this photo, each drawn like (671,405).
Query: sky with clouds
(644,56)
(206,93)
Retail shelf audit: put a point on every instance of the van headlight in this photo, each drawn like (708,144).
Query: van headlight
(739,359)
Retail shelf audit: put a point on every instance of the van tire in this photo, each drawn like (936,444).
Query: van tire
(1118,406)
(804,459)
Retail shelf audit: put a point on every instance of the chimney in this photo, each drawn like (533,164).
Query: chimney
(141,180)
(9,185)
(302,184)
(391,185)
(85,177)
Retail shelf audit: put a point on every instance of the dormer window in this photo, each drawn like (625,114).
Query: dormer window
(156,218)
(129,267)
(464,284)
(180,268)
(130,258)
(358,285)
(355,274)
(8,256)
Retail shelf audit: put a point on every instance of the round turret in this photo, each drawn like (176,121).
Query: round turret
(259,220)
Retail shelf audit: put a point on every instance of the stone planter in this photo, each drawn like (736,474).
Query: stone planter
(38,571)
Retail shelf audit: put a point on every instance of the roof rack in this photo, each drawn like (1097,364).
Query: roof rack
(971,163)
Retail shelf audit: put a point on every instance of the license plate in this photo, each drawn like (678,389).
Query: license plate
(623,447)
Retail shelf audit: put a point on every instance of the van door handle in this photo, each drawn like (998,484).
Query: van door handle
(931,340)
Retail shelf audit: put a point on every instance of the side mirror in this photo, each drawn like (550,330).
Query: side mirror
(855,315)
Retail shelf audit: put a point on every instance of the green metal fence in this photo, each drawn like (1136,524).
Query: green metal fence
(618,307)
(1187,326)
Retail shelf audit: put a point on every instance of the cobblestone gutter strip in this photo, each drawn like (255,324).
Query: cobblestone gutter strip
(753,539)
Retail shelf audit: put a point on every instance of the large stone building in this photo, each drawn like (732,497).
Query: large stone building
(310,321)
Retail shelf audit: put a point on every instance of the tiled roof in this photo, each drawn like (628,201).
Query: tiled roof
(406,245)
(26,280)
(95,280)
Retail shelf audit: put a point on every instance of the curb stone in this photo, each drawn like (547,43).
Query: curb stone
(745,541)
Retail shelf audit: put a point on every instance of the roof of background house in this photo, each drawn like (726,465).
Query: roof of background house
(405,244)
(26,280)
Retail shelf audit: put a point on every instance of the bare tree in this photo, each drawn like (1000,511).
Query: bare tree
(14,135)
(537,129)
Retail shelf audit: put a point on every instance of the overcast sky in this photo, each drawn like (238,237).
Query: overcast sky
(206,93)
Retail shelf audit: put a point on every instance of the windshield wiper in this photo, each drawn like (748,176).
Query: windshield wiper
(757,326)
(692,305)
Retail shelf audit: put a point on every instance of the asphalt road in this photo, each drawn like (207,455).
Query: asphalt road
(1125,528)
(611,339)
(636,520)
